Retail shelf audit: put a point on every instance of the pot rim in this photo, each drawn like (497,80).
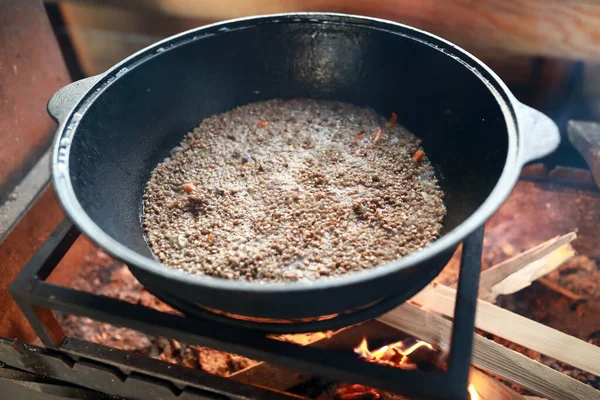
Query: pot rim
(68,126)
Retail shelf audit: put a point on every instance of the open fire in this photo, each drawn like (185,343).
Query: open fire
(394,354)
(397,354)
(473,393)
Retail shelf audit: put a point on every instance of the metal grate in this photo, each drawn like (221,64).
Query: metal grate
(36,297)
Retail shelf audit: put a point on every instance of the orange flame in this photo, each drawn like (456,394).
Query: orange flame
(385,354)
(473,393)
(390,353)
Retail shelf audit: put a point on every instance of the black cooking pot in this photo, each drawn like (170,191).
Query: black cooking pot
(116,127)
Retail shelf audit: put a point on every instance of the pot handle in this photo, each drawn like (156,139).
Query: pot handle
(62,102)
(541,135)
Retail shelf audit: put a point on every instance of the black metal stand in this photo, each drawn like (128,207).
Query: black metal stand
(35,297)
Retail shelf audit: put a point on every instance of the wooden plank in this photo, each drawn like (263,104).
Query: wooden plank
(517,329)
(102,35)
(491,356)
(556,28)
(90,26)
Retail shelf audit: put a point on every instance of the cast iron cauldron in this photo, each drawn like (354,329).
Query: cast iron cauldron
(115,127)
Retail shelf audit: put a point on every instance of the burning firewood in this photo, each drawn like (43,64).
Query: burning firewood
(487,354)
(401,354)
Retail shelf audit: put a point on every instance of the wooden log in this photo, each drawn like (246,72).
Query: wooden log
(556,28)
(490,356)
(585,137)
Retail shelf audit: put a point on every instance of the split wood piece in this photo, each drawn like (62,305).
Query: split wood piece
(516,329)
(531,272)
(501,271)
(491,356)
(559,289)
(585,137)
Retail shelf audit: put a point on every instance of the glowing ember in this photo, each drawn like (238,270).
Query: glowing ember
(395,354)
(473,393)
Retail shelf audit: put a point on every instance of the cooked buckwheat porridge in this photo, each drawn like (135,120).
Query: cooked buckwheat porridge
(287,190)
